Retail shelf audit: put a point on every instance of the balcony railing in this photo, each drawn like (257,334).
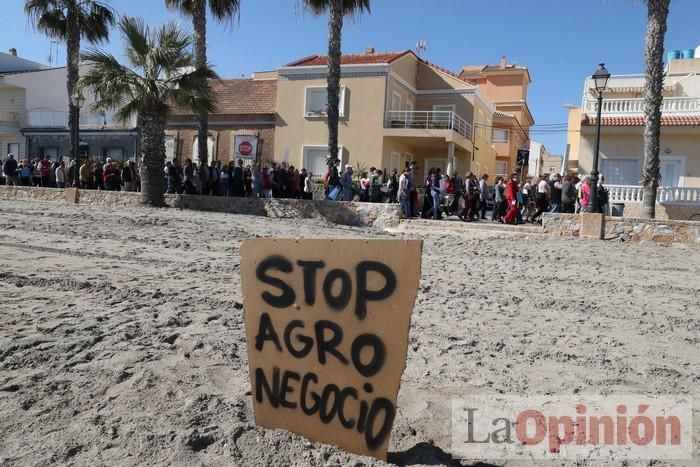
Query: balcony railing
(428,120)
(669,106)
(50,118)
(664,194)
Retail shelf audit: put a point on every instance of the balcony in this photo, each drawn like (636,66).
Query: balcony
(635,106)
(427,121)
(57,119)
(664,194)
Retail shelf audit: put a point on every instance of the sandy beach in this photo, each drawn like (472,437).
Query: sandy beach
(122,341)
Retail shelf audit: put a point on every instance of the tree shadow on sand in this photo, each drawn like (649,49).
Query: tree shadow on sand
(429,454)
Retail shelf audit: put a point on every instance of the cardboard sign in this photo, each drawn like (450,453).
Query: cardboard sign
(327,326)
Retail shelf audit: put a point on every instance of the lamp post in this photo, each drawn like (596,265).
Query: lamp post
(76,103)
(600,77)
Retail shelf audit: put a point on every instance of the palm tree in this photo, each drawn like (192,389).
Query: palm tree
(71,21)
(160,75)
(221,10)
(657,13)
(337,10)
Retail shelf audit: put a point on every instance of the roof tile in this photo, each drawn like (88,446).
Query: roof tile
(242,96)
(638,120)
(351,59)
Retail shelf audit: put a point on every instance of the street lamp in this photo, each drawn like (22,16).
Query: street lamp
(76,103)
(600,77)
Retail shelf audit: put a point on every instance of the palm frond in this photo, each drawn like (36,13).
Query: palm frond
(184,6)
(350,7)
(95,20)
(46,17)
(225,10)
(135,40)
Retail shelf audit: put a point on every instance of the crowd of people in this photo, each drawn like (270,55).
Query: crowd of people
(238,179)
(470,198)
(509,200)
(43,172)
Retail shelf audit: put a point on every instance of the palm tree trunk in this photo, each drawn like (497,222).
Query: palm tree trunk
(654,80)
(335,27)
(152,126)
(199,21)
(73,69)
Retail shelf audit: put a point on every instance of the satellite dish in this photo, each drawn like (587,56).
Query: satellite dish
(421,46)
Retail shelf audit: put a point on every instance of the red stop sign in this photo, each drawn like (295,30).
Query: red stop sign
(245,148)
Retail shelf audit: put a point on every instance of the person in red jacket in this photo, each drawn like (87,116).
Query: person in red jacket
(512,198)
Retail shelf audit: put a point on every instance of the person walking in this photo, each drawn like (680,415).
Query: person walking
(484,194)
(404,192)
(61,175)
(435,193)
(568,195)
(346,183)
(555,190)
(9,168)
(542,199)
(44,168)
(26,170)
(512,199)
(309,186)
(498,200)
(393,186)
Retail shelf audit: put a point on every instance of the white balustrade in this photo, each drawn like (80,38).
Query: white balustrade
(664,194)
(669,106)
(428,120)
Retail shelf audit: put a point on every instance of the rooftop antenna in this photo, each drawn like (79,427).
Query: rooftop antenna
(421,47)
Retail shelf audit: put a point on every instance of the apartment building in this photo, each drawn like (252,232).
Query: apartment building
(242,127)
(622,126)
(394,108)
(505,85)
(34,118)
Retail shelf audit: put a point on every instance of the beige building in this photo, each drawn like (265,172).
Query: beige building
(394,108)
(622,126)
(505,85)
(242,127)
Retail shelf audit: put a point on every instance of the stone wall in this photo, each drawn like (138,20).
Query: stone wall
(663,211)
(662,232)
(379,215)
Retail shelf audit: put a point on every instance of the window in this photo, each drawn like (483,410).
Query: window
(52,152)
(395,160)
(395,101)
(170,148)
(621,171)
(13,148)
(195,151)
(314,160)
(115,153)
(501,168)
(442,116)
(500,135)
(316,102)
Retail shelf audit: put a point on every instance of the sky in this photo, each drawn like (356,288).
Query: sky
(560,41)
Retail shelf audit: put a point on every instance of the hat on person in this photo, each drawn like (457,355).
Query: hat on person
(348,166)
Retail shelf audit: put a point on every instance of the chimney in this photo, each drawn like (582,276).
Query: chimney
(369,50)
(503,62)
(13,52)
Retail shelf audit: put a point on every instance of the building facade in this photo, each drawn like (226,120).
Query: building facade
(34,120)
(505,85)
(394,108)
(622,125)
(242,127)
